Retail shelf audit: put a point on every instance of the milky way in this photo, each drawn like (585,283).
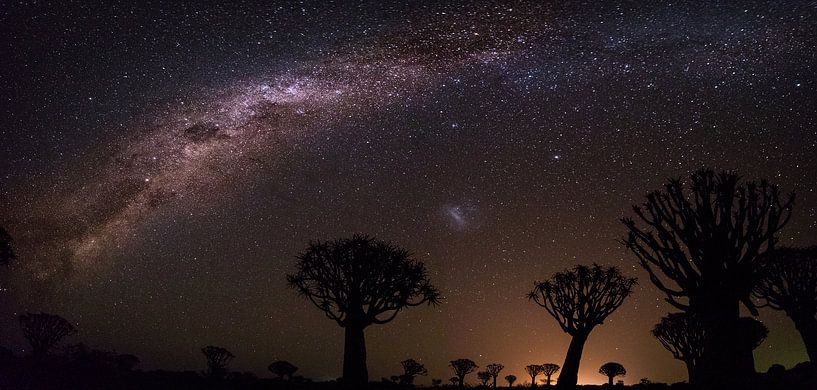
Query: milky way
(161,166)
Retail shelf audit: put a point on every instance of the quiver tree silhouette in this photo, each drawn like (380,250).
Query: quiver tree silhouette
(43,331)
(217,360)
(436,382)
(484,377)
(282,369)
(580,299)
(462,367)
(702,249)
(411,369)
(358,282)
(494,369)
(548,369)
(682,334)
(612,370)
(750,334)
(789,283)
(533,370)
(510,379)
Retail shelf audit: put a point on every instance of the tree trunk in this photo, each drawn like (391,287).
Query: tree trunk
(692,379)
(355,373)
(548,380)
(570,369)
(495,382)
(610,382)
(725,359)
(462,381)
(807,326)
(533,381)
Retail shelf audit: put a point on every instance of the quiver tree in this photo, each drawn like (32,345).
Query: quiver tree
(702,248)
(789,283)
(533,370)
(282,369)
(510,379)
(494,369)
(580,299)
(548,369)
(217,360)
(462,367)
(358,282)
(484,377)
(612,370)
(411,369)
(43,331)
(683,335)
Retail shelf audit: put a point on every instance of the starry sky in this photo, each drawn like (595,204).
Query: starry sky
(162,164)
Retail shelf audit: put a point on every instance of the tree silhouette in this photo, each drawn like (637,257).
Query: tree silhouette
(510,379)
(683,335)
(549,369)
(462,367)
(43,331)
(358,282)
(612,370)
(454,380)
(6,248)
(484,377)
(533,370)
(580,299)
(282,369)
(411,369)
(217,360)
(702,249)
(436,382)
(789,283)
(494,369)
(750,334)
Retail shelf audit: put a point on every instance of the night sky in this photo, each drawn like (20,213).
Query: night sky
(162,164)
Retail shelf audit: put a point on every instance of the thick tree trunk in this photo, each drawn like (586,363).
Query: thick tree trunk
(570,369)
(807,326)
(355,373)
(725,359)
(610,382)
(693,380)
(462,381)
(548,382)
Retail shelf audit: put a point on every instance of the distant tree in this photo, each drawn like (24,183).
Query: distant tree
(411,369)
(494,369)
(683,335)
(510,379)
(612,370)
(484,377)
(645,382)
(436,382)
(217,360)
(750,334)
(549,369)
(533,370)
(703,248)
(789,283)
(580,299)
(282,369)
(358,282)
(462,367)
(43,331)
(6,248)
(454,380)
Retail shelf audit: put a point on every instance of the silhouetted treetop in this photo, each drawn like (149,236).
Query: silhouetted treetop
(462,367)
(43,331)
(282,369)
(362,279)
(583,297)
(717,228)
(217,360)
(612,370)
(484,377)
(411,369)
(510,379)
(683,335)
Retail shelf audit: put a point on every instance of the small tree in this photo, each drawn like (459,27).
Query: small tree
(411,369)
(549,369)
(580,299)
(454,380)
(510,379)
(494,369)
(612,370)
(358,282)
(484,377)
(282,369)
(436,382)
(533,370)
(789,283)
(462,367)
(217,360)
(683,335)
(43,331)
